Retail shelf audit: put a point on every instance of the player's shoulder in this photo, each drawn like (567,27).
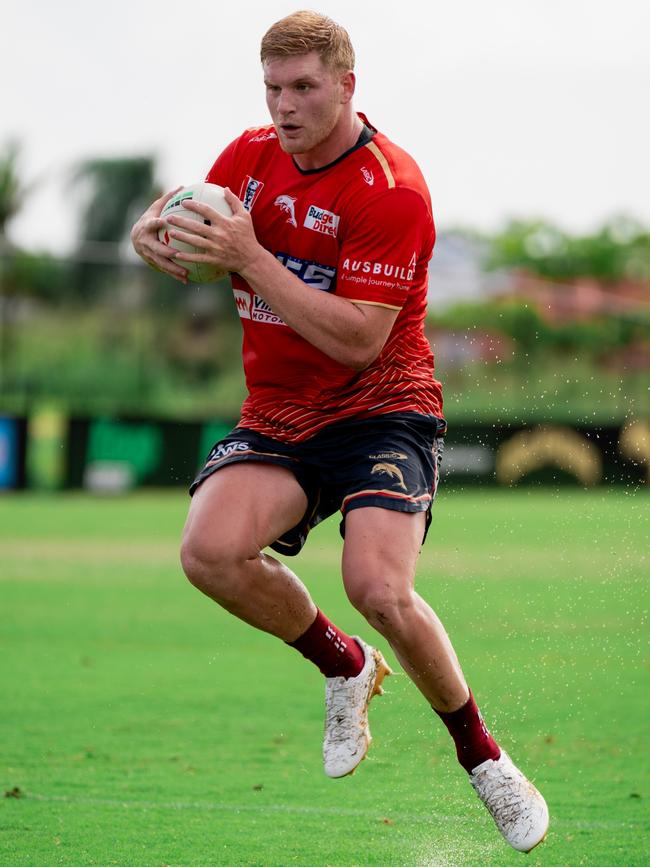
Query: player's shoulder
(380,168)
(384,181)
(256,139)
(259,134)
(392,168)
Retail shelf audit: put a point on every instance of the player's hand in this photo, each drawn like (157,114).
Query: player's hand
(228,242)
(144,237)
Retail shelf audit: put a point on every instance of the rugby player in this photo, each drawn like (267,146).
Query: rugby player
(328,247)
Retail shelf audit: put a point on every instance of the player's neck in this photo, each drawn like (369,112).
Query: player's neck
(343,137)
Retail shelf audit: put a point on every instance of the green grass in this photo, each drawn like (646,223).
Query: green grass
(144,726)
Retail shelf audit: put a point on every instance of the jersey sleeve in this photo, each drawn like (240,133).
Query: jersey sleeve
(386,249)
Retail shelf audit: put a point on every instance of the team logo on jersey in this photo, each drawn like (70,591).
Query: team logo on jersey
(320,220)
(311,273)
(250,190)
(267,136)
(392,471)
(368,176)
(287,205)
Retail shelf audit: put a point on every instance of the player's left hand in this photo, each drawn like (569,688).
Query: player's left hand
(229,242)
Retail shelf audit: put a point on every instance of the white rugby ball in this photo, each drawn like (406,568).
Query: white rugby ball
(208,194)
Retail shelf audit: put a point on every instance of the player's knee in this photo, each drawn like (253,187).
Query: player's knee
(213,565)
(381,604)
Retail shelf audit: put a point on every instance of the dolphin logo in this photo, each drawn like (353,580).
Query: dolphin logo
(390,470)
(287,206)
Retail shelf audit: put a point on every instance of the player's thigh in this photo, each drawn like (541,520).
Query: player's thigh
(380,553)
(242,508)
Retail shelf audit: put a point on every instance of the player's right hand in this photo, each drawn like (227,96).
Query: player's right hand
(144,237)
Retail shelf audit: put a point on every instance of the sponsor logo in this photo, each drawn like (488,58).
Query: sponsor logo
(225,450)
(320,220)
(287,205)
(319,276)
(243,303)
(368,176)
(389,456)
(261,312)
(250,190)
(266,136)
(255,308)
(390,470)
(381,269)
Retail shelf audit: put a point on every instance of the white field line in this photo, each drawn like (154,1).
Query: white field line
(218,806)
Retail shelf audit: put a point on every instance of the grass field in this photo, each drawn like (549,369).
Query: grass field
(141,725)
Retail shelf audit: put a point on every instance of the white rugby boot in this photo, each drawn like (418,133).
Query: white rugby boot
(518,809)
(347,736)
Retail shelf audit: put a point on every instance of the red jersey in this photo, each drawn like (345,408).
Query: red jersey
(361,228)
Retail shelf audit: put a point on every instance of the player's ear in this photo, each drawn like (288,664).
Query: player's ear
(348,84)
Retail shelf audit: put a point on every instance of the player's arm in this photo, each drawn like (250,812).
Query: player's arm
(351,332)
(144,237)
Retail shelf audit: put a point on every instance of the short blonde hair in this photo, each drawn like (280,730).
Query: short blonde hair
(306,31)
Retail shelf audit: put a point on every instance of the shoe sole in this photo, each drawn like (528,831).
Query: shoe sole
(539,843)
(382,670)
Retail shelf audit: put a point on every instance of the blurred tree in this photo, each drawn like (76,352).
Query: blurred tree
(620,250)
(115,191)
(115,188)
(11,188)
(11,196)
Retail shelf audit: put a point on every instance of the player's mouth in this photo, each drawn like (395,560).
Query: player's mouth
(290,129)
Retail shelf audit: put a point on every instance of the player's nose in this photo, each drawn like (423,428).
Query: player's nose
(285,103)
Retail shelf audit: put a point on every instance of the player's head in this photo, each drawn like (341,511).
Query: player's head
(304,32)
(307,61)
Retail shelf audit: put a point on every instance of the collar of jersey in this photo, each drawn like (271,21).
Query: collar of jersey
(367,133)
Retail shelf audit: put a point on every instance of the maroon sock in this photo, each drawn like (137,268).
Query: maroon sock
(474,743)
(330,649)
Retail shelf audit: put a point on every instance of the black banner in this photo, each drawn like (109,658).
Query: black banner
(123,453)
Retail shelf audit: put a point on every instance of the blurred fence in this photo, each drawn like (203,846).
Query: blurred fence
(113,455)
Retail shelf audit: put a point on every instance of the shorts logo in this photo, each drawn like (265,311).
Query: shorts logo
(287,205)
(392,471)
(320,220)
(368,176)
(250,190)
(225,450)
(389,456)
